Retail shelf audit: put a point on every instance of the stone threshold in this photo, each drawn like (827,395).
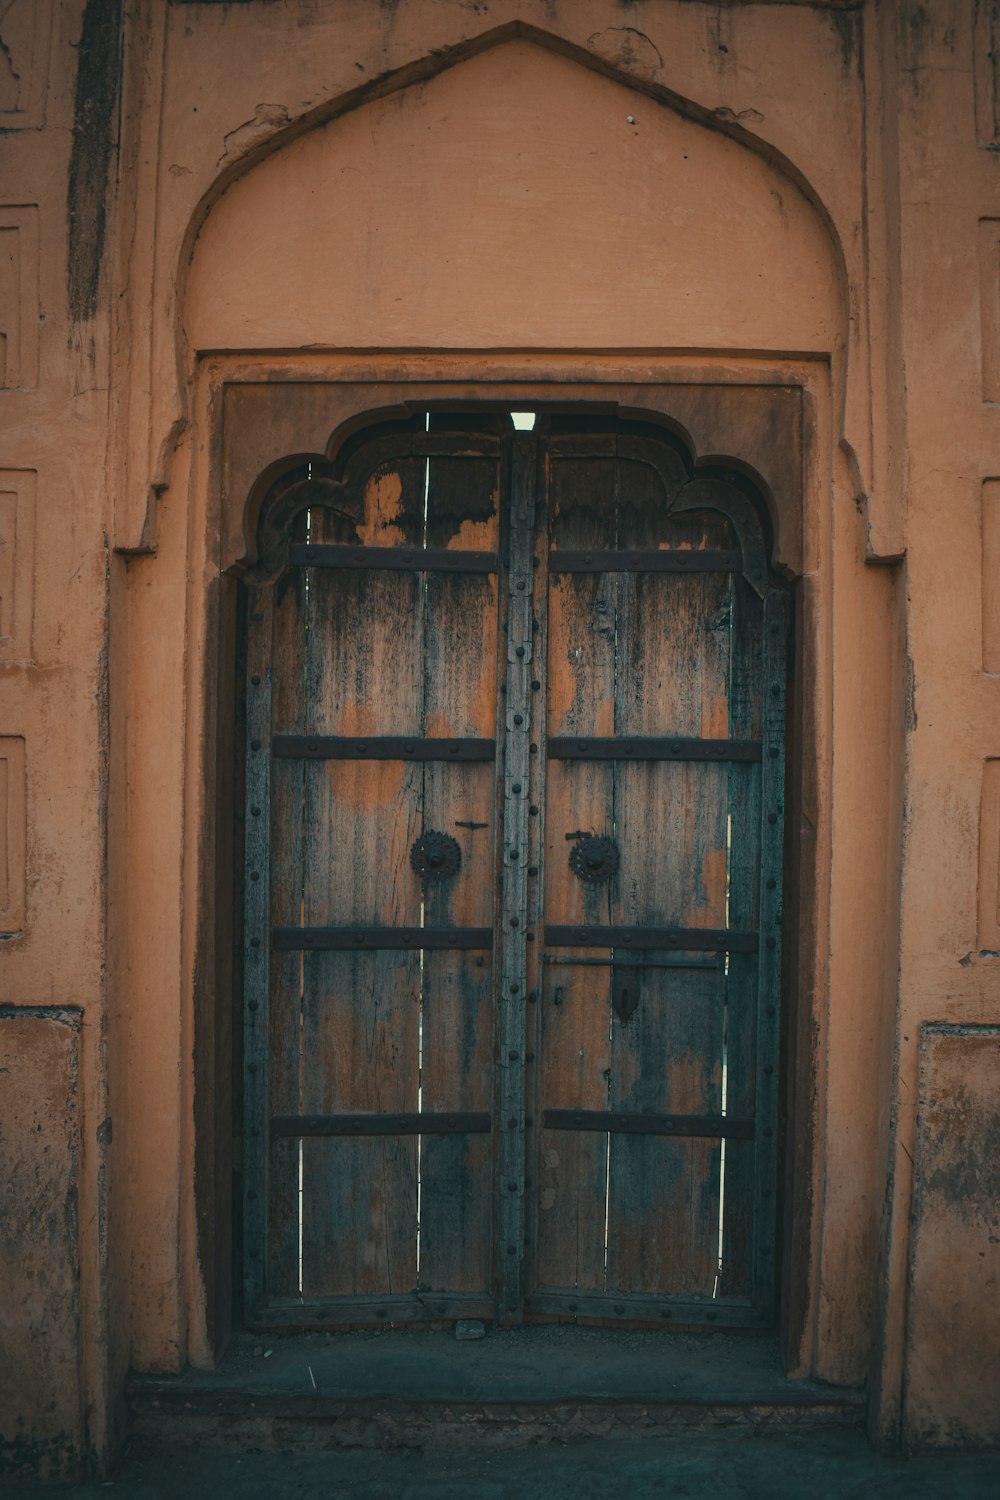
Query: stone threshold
(425,1388)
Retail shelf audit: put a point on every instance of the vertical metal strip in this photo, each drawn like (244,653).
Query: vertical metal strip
(769,951)
(256,943)
(537,764)
(513,911)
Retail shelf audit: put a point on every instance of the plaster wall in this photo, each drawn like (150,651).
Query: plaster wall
(200,196)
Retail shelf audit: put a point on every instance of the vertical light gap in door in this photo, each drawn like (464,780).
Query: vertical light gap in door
(725,959)
(422,607)
(300,1182)
(615,582)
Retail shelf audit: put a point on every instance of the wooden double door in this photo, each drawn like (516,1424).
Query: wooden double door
(514,792)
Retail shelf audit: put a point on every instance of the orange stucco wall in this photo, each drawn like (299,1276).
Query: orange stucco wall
(667,202)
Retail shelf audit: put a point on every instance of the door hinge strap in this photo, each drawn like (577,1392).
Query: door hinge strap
(427,1122)
(710,939)
(294,939)
(395,559)
(570,747)
(377,747)
(650,560)
(712,1127)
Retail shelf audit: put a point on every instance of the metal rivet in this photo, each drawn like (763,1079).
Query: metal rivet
(452,749)
(536,686)
(255,679)
(312,747)
(252,1005)
(255,942)
(515,853)
(520,585)
(254,874)
(519,651)
(518,718)
(516,922)
(532,869)
(573,1306)
(515,786)
(533,810)
(255,811)
(515,989)
(533,749)
(773,753)
(407,749)
(512,1056)
(532,998)
(251,1067)
(581,745)
(771,884)
(255,744)
(772,817)
(512,1187)
(618,1308)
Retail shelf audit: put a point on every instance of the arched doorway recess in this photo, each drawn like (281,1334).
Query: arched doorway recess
(515,725)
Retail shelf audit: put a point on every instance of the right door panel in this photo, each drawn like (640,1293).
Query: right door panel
(657,1027)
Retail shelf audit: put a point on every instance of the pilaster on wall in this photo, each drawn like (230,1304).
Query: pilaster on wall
(944,64)
(62,1351)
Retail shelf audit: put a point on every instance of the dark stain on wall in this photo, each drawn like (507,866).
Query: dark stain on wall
(95,141)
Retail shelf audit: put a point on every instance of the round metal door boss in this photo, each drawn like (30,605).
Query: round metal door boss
(435,856)
(594,859)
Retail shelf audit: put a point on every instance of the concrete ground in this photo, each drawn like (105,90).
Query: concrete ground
(832,1464)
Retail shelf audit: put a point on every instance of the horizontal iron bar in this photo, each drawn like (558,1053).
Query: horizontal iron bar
(630,1307)
(440,1122)
(712,1127)
(377,747)
(371,939)
(408,1307)
(402,559)
(648,560)
(712,939)
(632,963)
(570,747)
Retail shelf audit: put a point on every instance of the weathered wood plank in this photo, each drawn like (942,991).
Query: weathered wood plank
(457,1174)
(576,1016)
(360,1011)
(744,909)
(673,663)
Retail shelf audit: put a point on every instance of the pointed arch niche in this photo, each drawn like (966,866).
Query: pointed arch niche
(518,226)
(515,199)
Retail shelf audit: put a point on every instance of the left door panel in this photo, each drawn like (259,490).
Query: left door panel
(368,1013)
